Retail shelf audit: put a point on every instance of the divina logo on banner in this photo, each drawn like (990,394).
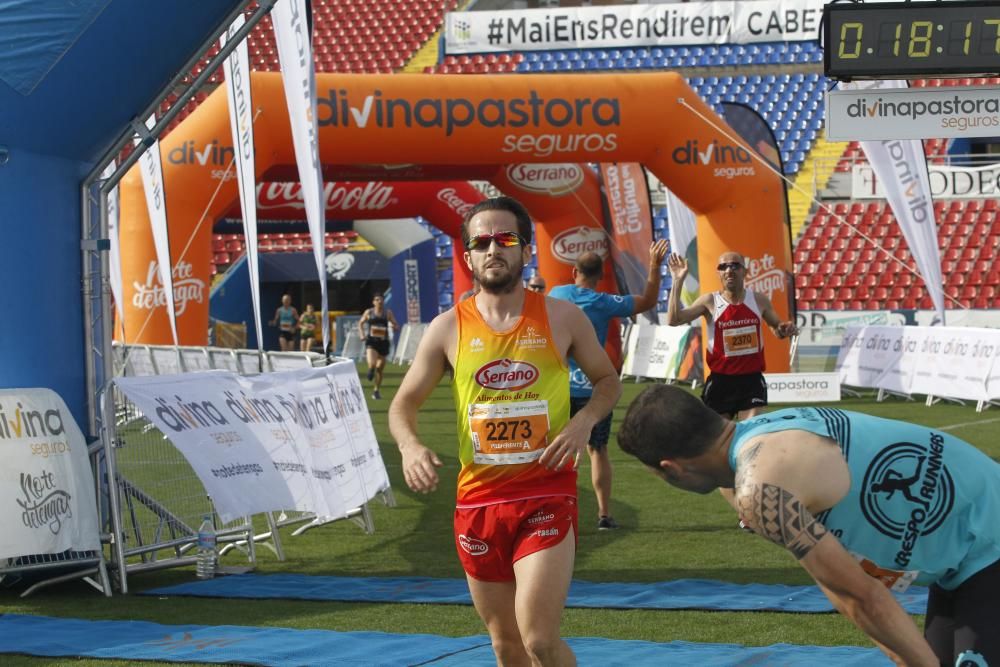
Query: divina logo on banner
(451,114)
(729,161)
(21,423)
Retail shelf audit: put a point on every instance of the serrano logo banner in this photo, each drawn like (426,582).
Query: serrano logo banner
(553,179)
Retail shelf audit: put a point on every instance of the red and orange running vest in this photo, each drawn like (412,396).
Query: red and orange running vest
(511,393)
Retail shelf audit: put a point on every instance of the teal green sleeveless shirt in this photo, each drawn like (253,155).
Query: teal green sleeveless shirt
(923,506)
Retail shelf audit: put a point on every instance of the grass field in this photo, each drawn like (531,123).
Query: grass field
(665,535)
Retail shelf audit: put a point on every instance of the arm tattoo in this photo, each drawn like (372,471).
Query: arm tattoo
(780,517)
(746,460)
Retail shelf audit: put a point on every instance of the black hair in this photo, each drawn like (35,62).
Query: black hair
(501,203)
(665,422)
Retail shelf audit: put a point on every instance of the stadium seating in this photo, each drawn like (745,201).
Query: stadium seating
(884,278)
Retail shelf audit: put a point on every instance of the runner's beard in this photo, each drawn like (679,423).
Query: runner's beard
(500,281)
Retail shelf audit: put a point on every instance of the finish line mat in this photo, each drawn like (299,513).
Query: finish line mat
(680,594)
(284,647)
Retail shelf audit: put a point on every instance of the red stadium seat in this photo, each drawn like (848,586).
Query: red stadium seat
(888,305)
(809,294)
(827,294)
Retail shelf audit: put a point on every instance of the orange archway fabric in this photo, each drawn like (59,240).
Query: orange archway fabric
(463,127)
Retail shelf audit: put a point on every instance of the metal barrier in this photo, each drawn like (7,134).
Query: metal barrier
(157,501)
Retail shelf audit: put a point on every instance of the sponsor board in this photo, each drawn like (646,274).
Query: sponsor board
(912,113)
(573,242)
(945,182)
(802,387)
(549,179)
(411,278)
(650,24)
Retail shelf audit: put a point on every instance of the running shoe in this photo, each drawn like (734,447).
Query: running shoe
(606,523)
(376,394)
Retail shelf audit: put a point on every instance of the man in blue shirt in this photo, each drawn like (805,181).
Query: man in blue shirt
(865,504)
(601,308)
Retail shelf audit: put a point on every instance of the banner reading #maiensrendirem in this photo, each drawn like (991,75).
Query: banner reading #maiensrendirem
(47,501)
(296,440)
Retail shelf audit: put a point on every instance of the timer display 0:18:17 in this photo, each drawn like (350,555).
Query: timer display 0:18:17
(887,40)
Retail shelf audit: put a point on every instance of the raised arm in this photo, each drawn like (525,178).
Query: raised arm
(676,313)
(774,487)
(770,316)
(429,364)
(651,293)
(594,362)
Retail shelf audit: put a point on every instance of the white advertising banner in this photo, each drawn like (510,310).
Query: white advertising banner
(954,362)
(151,167)
(802,387)
(295,440)
(115,253)
(912,113)
(683,228)
(298,74)
(629,26)
(237,75)
(945,182)
(655,351)
(901,165)
(46,484)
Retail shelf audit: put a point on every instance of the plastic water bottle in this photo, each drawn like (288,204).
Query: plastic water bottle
(205,567)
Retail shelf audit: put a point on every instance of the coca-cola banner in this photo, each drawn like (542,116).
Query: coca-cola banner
(441,203)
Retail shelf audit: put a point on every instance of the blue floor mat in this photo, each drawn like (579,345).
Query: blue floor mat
(284,647)
(680,594)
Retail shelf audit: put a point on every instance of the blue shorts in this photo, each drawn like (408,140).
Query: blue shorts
(601,432)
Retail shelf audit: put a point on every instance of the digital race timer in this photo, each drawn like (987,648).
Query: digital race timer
(910,39)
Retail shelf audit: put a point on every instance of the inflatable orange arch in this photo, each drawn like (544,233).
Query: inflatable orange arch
(463,126)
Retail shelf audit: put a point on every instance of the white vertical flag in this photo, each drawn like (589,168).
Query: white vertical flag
(115,255)
(237,73)
(901,166)
(152,183)
(291,32)
(683,233)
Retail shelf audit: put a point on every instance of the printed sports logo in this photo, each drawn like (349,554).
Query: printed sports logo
(532,339)
(573,242)
(338,264)
(472,546)
(339,197)
(476,344)
(540,517)
(763,276)
(507,375)
(728,161)
(551,179)
(908,492)
(152,294)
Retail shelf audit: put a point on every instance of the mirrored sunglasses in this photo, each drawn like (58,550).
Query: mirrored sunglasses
(503,239)
(735,266)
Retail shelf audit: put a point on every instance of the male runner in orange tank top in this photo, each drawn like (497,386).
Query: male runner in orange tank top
(516,516)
